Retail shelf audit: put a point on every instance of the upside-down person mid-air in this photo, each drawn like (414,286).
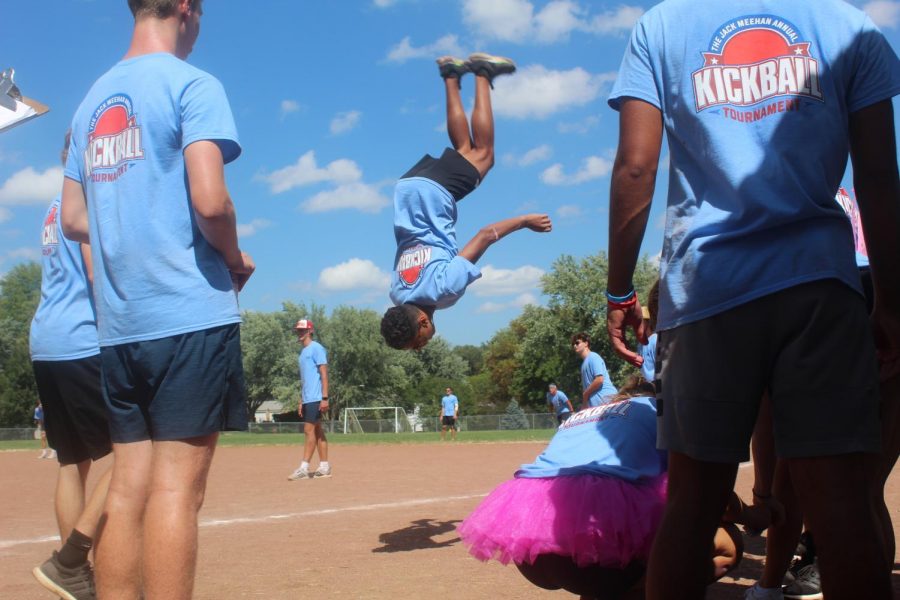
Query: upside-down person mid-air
(430,273)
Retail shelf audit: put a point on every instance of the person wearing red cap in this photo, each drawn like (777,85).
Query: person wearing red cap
(314,381)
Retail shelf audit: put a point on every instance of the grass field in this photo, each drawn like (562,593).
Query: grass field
(237,438)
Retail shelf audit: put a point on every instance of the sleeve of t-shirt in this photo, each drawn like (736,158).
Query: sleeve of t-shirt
(74,160)
(457,277)
(876,75)
(596,365)
(636,78)
(206,115)
(320,357)
(562,396)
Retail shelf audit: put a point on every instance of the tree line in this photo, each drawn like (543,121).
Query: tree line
(517,363)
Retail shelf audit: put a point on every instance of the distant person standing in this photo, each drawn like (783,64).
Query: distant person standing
(46,451)
(314,381)
(597,388)
(449,414)
(559,403)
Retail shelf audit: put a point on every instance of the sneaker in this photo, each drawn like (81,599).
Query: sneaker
(70,584)
(322,473)
(452,67)
(489,66)
(806,585)
(300,473)
(761,593)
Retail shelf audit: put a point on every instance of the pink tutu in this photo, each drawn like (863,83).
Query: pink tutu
(595,520)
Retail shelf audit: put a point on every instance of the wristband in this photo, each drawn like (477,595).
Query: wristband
(628,296)
(617,304)
(324,397)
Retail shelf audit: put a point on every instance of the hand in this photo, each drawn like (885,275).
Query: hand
(241,270)
(537,222)
(323,405)
(617,321)
(763,513)
(300,410)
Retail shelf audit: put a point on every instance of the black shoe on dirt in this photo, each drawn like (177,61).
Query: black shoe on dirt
(70,584)
(488,66)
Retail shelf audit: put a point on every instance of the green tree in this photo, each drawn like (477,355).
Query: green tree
(20,293)
(473,355)
(270,361)
(514,418)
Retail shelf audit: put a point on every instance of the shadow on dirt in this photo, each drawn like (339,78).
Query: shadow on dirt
(419,535)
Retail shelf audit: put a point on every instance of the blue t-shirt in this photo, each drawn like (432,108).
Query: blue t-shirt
(310,359)
(155,275)
(648,353)
(591,367)
(755,96)
(64,326)
(616,439)
(427,268)
(39,414)
(559,401)
(449,404)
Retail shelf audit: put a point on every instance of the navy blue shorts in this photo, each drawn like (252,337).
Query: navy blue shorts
(452,171)
(175,388)
(74,412)
(311,412)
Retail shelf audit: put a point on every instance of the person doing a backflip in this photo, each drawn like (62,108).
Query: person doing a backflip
(429,272)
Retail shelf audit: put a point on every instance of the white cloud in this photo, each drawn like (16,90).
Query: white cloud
(519,302)
(884,13)
(593,167)
(570,211)
(538,92)
(5,215)
(345,121)
(306,172)
(618,22)
(404,51)
(582,126)
(354,274)
(30,187)
(503,282)
(357,195)
(538,154)
(253,227)
(288,107)
(384,3)
(517,21)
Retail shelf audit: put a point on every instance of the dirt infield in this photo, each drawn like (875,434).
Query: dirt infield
(382,527)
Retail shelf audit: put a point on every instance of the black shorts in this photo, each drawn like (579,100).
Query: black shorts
(562,417)
(312,412)
(452,171)
(74,412)
(175,388)
(448,421)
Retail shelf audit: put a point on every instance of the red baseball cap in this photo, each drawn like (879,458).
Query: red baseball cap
(304,324)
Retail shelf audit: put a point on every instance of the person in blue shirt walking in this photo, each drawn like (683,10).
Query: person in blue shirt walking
(430,272)
(597,388)
(314,377)
(559,403)
(449,414)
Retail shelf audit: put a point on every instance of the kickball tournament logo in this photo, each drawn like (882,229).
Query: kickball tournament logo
(49,236)
(411,263)
(114,140)
(756,66)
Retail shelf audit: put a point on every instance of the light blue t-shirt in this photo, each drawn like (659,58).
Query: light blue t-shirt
(755,96)
(648,353)
(39,414)
(559,401)
(155,275)
(449,404)
(427,268)
(64,326)
(310,359)
(616,439)
(591,367)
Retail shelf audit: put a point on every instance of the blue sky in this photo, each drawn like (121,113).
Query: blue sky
(333,101)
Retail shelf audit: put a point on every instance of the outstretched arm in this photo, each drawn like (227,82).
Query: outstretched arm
(492,233)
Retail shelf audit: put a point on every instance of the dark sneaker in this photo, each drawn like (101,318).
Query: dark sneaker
(70,584)
(452,67)
(806,584)
(490,66)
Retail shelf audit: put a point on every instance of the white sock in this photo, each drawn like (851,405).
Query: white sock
(304,465)
(324,465)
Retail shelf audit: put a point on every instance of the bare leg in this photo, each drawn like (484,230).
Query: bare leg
(836,497)
(443,432)
(457,123)
(781,540)
(70,496)
(679,566)
(177,489)
(321,443)
(890,444)
(309,441)
(93,510)
(481,155)
(120,536)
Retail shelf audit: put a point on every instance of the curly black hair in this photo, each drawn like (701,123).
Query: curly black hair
(398,326)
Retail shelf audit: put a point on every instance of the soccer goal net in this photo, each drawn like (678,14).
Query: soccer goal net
(380,419)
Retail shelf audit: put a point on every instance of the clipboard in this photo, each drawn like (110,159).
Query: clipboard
(15,108)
